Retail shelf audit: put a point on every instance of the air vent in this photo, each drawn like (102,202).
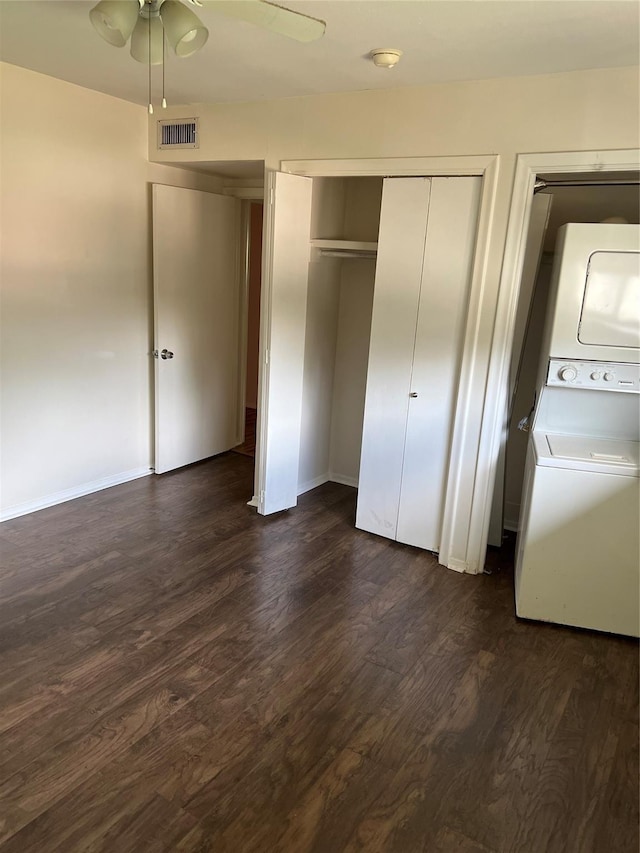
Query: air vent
(178,134)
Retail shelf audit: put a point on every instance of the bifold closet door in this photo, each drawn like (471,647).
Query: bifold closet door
(442,312)
(425,255)
(401,241)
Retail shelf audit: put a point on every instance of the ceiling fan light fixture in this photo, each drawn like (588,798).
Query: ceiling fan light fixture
(140,41)
(115,20)
(185,32)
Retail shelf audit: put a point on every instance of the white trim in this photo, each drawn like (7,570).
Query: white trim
(527,167)
(326,478)
(464,461)
(253,502)
(457,565)
(343,480)
(313,484)
(264,342)
(394,166)
(71,494)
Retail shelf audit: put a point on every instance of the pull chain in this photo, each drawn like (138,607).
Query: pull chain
(150,104)
(164,54)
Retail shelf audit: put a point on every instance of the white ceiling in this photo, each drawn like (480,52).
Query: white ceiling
(443,40)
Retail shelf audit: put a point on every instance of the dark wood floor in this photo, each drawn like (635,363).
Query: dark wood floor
(248,446)
(179,674)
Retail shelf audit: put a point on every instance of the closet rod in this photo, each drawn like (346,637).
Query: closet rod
(345,253)
(541,184)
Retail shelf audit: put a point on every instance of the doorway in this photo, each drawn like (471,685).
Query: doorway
(568,197)
(203,367)
(326,345)
(249,407)
(569,203)
(284,310)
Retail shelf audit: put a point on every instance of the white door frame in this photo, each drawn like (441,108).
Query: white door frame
(527,167)
(462,475)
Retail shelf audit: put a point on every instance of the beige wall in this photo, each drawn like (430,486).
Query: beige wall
(580,110)
(76,288)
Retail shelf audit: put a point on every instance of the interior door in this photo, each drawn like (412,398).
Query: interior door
(282,339)
(425,255)
(196,320)
(401,240)
(446,278)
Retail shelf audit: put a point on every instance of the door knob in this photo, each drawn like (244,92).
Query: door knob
(166,354)
(413,394)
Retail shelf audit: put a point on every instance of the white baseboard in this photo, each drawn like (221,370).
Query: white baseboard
(462,566)
(253,502)
(327,478)
(456,565)
(343,480)
(312,484)
(71,494)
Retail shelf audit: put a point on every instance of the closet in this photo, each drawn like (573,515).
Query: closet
(564,199)
(375,324)
(345,214)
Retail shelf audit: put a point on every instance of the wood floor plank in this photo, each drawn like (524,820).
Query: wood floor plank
(48,778)
(178,673)
(85,819)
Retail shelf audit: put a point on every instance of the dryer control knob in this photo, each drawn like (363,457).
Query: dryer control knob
(609,377)
(596,375)
(568,373)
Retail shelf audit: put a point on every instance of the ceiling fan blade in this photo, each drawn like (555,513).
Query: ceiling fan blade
(291,24)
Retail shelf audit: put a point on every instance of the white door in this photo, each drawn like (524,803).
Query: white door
(446,277)
(196,324)
(425,254)
(401,239)
(282,338)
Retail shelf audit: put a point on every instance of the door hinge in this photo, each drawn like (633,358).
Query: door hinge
(271,195)
(266,356)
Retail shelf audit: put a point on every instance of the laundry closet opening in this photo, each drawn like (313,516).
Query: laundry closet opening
(559,199)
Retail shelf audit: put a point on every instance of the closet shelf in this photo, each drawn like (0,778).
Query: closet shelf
(346,248)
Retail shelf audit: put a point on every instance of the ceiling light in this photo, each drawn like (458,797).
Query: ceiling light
(114,20)
(385,57)
(147,22)
(148,33)
(185,32)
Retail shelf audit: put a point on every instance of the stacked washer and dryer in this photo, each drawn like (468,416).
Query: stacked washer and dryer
(578,551)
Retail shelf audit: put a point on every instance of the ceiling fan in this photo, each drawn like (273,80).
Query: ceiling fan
(147,22)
